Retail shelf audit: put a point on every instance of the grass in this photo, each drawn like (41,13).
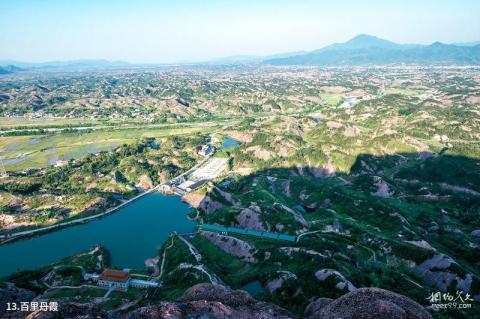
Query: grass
(11,122)
(230,269)
(38,150)
(77,294)
(407,92)
(332,99)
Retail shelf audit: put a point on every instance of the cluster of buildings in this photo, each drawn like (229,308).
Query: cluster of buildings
(208,171)
(119,279)
(206,150)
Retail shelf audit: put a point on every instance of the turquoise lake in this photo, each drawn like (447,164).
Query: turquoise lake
(131,235)
(253,288)
(229,143)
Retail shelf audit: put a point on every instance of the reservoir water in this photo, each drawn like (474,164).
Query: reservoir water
(253,288)
(229,143)
(131,235)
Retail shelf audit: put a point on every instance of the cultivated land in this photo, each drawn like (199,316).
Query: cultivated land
(378,168)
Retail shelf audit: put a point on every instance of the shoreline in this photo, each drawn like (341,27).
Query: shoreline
(7,238)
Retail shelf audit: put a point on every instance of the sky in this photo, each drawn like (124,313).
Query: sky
(158,31)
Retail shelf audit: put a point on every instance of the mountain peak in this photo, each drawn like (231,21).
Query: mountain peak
(362,41)
(364,36)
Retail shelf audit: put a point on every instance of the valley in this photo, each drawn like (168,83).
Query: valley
(373,170)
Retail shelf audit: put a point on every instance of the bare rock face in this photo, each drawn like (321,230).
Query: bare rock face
(323,172)
(211,301)
(232,246)
(145,182)
(278,281)
(250,218)
(204,301)
(11,293)
(476,234)
(342,282)
(316,305)
(369,303)
(383,190)
(436,272)
(208,205)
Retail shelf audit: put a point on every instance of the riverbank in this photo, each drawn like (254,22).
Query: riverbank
(132,235)
(9,237)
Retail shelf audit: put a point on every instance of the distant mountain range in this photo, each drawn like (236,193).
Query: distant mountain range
(15,66)
(367,49)
(9,69)
(254,58)
(362,49)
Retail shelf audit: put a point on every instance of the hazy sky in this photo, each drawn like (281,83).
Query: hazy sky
(179,30)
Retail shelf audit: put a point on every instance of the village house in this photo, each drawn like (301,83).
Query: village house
(114,278)
(206,150)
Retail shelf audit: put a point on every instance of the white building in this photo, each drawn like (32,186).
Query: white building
(206,150)
(114,278)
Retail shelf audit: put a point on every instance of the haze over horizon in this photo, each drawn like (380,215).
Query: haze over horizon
(166,32)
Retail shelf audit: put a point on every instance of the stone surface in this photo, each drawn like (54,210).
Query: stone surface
(371,303)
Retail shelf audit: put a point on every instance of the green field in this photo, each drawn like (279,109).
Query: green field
(407,92)
(331,99)
(23,152)
(10,122)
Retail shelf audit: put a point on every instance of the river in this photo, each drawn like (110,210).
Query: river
(131,235)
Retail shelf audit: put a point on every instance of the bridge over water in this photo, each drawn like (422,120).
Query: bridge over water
(248,232)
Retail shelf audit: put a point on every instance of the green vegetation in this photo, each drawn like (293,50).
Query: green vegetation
(95,183)
(381,168)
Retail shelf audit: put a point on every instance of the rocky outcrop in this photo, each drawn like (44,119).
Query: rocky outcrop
(436,272)
(260,152)
(323,172)
(316,306)
(342,282)
(11,293)
(250,218)
(298,217)
(208,205)
(334,125)
(216,301)
(200,301)
(232,246)
(278,282)
(289,251)
(383,190)
(145,182)
(193,199)
(212,301)
(228,197)
(367,303)
(476,234)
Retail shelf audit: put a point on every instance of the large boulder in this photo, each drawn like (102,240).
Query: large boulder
(476,234)
(232,246)
(369,303)
(213,302)
(316,305)
(13,294)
